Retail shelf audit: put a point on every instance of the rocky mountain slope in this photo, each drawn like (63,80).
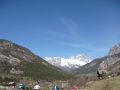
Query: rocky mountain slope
(109,63)
(115,50)
(70,63)
(19,61)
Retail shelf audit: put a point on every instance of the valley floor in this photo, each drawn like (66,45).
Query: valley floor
(112,83)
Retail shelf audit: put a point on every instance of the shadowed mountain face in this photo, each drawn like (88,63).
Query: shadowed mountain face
(17,60)
(90,67)
(109,63)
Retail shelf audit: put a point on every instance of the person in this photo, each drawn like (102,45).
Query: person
(100,76)
(37,87)
(55,87)
(74,88)
(12,84)
(21,86)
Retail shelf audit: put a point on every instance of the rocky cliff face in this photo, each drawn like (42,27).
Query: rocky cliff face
(114,50)
(114,55)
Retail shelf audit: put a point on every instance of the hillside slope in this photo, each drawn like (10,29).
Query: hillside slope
(106,84)
(19,61)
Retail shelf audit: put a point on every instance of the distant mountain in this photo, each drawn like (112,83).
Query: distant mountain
(109,63)
(19,61)
(68,64)
(91,67)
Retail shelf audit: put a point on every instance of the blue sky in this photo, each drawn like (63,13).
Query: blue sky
(61,27)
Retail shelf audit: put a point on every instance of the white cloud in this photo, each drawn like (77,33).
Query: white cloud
(71,27)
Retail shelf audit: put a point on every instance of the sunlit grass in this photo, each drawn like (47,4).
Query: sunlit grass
(106,84)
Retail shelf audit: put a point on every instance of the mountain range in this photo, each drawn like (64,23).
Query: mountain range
(18,61)
(68,64)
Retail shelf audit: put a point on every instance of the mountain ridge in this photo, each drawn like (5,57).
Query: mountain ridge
(20,61)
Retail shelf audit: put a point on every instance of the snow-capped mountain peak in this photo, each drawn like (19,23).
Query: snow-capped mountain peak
(70,63)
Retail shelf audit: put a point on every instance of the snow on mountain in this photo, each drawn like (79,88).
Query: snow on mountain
(69,63)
